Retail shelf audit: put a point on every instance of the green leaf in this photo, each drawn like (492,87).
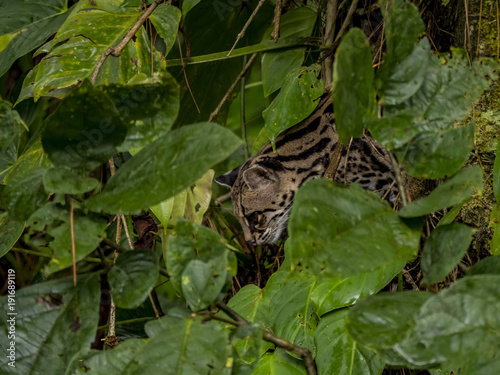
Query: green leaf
(24,193)
(93,136)
(88,231)
(132,278)
(296,23)
(443,250)
(176,346)
(403,26)
(354,223)
(489,265)
(380,322)
(338,353)
(451,192)
(291,315)
(198,198)
(437,154)
(496,175)
(337,292)
(247,356)
(297,99)
(83,38)
(158,100)
(198,262)
(187,5)
(394,131)
(249,304)
(495,224)
(408,76)
(166,20)
(456,327)
(166,167)
(10,231)
(26,24)
(11,127)
(64,318)
(354,91)
(279,362)
(64,181)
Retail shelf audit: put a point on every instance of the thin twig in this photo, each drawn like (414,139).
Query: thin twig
(277,20)
(127,234)
(242,32)
(185,75)
(331,20)
(347,21)
(399,179)
(113,245)
(304,353)
(73,247)
(117,50)
(242,112)
(230,90)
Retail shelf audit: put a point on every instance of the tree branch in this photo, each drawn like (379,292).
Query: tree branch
(304,353)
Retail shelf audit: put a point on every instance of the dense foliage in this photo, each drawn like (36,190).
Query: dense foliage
(86,144)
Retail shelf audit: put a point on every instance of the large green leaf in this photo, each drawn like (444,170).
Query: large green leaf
(489,265)
(88,231)
(11,127)
(88,31)
(403,26)
(338,353)
(354,223)
(10,231)
(381,322)
(279,362)
(176,346)
(53,321)
(444,248)
(165,168)
(198,262)
(24,193)
(451,192)
(353,82)
(290,313)
(437,154)
(456,327)
(132,278)
(148,108)
(84,131)
(298,22)
(337,292)
(249,303)
(297,99)
(408,76)
(25,24)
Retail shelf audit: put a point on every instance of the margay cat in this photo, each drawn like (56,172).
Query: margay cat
(262,189)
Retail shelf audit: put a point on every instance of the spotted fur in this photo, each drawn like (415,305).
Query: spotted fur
(263,188)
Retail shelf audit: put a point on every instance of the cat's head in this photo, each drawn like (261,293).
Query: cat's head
(262,198)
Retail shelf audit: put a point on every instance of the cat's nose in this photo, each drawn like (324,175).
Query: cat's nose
(253,242)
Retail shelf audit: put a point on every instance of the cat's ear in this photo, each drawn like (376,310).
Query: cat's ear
(259,177)
(228,178)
